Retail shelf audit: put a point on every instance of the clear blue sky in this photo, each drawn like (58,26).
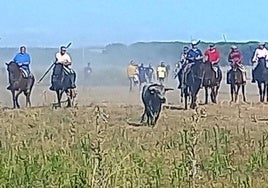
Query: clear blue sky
(99,22)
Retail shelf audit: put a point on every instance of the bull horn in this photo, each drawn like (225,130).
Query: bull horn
(153,85)
(169,88)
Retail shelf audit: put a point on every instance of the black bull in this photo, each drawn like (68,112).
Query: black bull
(153,96)
(200,73)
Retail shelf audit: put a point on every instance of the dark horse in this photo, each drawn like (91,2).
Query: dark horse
(236,81)
(61,84)
(18,84)
(260,74)
(210,81)
(191,84)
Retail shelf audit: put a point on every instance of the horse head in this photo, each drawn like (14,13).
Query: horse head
(13,70)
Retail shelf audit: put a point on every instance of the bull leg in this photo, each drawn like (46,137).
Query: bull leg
(142,116)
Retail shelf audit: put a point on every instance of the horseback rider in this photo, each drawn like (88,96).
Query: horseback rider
(213,56)
(23,60)
(161,72)
(235,58)
(64,58)
(182,63)
(260,52)
(193,56)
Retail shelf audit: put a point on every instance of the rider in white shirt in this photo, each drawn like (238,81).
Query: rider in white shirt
(260,52)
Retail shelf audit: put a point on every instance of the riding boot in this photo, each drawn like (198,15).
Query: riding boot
(229,77)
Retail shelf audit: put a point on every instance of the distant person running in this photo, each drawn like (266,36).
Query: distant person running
(142,74)
(149,73)
(132,72)
(161,73)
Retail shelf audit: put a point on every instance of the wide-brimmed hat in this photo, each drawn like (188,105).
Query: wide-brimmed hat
(195,42)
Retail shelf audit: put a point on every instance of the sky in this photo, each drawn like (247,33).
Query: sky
(51,23)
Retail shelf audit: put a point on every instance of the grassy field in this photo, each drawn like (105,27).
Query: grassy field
(92,145)
(222,145)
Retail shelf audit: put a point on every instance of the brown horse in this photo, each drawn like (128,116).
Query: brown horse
(210,81)
(18,84)
(236,82)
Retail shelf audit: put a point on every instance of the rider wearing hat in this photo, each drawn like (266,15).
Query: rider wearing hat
(235,58)
(64,58)
(213,56)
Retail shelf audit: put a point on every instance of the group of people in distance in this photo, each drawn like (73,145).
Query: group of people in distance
(139,74)
(23,60)
(191,55)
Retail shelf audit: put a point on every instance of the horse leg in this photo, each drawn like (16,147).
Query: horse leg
(260,91)
(213,95)
(206,95)
(16,98)
(13,98)
(236,92)
(59,95)
(232,92)
(185,98)
(27,96)
(243,93)
(266,93)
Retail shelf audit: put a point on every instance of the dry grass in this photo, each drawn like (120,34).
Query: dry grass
(215,146)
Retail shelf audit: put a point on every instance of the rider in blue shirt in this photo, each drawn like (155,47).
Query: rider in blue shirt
(194,54)
(23,59)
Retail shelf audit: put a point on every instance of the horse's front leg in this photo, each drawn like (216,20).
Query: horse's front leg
(17,97)
(232,92)
(243,93)
(236,92)
(213,94)
(260,91)
(59,95)
(13,98)
(206,95)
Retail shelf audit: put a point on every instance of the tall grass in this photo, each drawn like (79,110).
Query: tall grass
(90,147)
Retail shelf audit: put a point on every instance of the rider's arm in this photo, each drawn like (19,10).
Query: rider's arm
(26,60)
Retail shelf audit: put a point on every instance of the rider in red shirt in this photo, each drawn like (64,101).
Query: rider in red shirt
(235,58)
(213,56)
